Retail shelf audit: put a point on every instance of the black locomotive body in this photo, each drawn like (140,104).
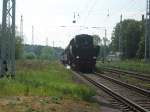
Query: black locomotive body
(81,53)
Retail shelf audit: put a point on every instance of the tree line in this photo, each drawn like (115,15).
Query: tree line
(41,52)
(34,51)
(133,43)
(133,39)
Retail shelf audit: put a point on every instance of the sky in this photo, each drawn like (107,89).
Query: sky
(50,16)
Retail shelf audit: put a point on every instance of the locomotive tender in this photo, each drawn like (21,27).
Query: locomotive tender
(82,52)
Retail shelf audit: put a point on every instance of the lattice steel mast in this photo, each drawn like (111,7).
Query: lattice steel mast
(7,41)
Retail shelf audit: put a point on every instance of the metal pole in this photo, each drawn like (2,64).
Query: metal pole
(21,28)
(53,44)
(147,36)
(148,30)
(4,26)
(105,38)
(13,37)
(120,37)
(32,35)
(7,43)
(46,41)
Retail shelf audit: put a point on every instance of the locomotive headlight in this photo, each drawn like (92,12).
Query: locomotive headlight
(77,57)
(94,57)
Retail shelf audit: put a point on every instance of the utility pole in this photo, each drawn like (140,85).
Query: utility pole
(105,40)
(53,44)
(147,37)
(46,41)
(32,35)
(7,39)
(120,38)
(21,28)
(143,18)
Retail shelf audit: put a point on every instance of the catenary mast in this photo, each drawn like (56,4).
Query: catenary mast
(7,39)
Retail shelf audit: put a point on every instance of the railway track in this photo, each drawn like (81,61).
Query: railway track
(129,99)
(137,89)
(144,77)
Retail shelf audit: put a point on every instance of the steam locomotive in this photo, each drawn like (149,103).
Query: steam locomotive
(82,52)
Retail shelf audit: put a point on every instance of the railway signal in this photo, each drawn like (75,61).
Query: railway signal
(7,43)
(74,19)
(76,16)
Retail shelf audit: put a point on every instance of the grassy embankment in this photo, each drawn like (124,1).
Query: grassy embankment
(38,78)
(138,66)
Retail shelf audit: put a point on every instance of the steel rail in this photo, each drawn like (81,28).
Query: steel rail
(139,90)
(133,74)
(125,101)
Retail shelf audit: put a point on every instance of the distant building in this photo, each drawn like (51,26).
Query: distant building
(113,56)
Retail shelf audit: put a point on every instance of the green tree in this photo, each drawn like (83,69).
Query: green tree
(47,53)
(141,49)
(132,33)
(19,48)
(104,46)
(30,55)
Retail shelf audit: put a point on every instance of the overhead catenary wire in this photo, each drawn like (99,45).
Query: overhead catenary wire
(128,6)
(89,9)
(132,5)
(89,12)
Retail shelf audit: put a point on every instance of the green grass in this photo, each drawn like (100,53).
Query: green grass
(43,78)
(138,66)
